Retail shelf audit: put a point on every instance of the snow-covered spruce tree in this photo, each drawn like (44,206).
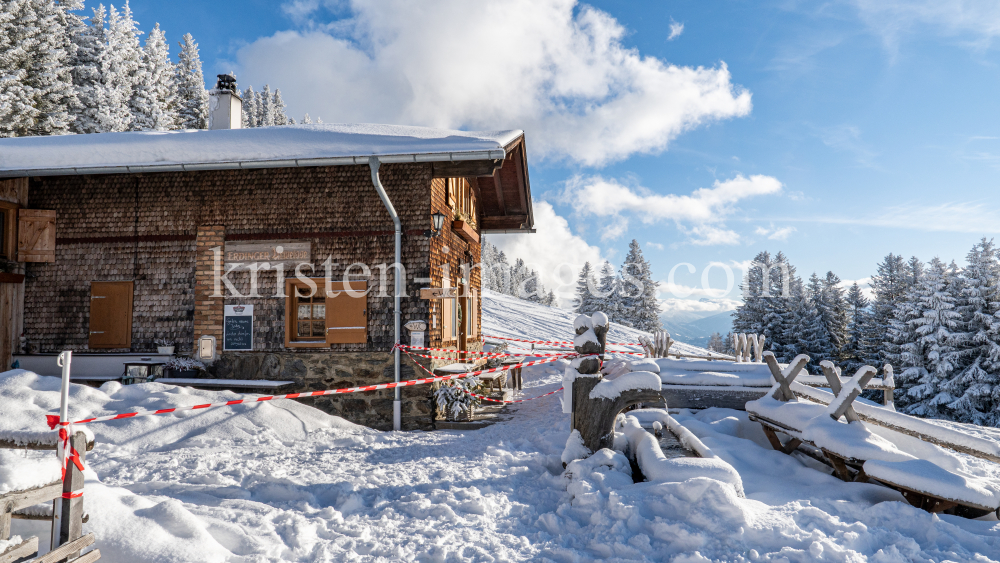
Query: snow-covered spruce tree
(265,107)
(856,349)
(192,98)
(749,316)
(976,386)
(278,108)
(250,110)
(889,285)
(777,306)
(87,77)
(550,299)
(813,338)
(640,307)
(306,120)
(833,308)
(715,343)
(608,298)
(36,85)
(119,69)
(934,323)
(586,301)
(153,105)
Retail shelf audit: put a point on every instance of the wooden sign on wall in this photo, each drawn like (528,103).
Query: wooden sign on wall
(285,254)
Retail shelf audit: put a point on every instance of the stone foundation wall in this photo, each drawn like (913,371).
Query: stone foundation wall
(320,371)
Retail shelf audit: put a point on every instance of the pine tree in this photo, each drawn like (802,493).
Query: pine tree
(857,348)
(153,105)
(748,318)
(889,286)
(87,77)
(585,301)
(833,308)
(715,343)
(278,108)
(265,108)
(121,63)
(192,98)
(250,110)
(813,336)
(640,307)
(935,321)
(979,340)
(608,298)
(306,120)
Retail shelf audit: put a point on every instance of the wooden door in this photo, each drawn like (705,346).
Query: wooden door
(110,315)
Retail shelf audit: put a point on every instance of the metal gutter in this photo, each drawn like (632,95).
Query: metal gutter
(373,163)
(507,231)
(413,158)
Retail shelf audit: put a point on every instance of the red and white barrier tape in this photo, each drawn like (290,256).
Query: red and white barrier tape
(453,351)
(557,342)
(53,420)
(68,454)
(484,398)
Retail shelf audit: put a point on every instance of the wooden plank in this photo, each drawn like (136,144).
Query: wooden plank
(71,515)
(35,445)
(832,375)
(89,557)
(489,222)
(66,550)
(19,552)
(856,384)
(784,391)
(17,500)
(465,168)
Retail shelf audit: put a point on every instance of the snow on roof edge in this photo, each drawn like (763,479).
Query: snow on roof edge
(264,147)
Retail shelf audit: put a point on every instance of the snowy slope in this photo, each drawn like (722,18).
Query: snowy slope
(507,316)
(281,481)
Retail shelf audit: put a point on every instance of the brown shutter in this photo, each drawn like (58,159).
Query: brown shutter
(36,235)
(447,305)
(346,316)
(474,313)
(110,315)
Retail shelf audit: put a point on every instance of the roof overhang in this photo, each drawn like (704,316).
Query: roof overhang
(506,194)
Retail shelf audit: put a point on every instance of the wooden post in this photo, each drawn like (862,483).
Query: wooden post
(71,517)
(5,515)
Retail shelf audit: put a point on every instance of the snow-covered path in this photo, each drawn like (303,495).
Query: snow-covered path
(284,482)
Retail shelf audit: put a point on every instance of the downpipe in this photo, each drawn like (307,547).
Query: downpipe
(373,163)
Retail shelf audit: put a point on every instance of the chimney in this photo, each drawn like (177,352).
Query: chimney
(225,106)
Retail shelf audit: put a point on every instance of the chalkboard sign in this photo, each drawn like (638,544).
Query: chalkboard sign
(237,333)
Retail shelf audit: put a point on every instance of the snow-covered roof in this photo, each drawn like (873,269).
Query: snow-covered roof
(261,147)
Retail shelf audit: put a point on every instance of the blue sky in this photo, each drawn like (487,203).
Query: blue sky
(870,127)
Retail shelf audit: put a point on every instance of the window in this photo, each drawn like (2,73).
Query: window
(8,230)
(110,315)
(461,201)
(313,319)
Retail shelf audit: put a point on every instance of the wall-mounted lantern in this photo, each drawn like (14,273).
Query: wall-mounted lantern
(437,223)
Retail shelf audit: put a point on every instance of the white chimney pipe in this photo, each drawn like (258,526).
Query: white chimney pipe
(225,106)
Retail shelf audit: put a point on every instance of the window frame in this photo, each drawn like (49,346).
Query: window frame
(8,236)
(291,313)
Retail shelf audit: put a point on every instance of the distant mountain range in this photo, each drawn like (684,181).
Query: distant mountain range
(690,328)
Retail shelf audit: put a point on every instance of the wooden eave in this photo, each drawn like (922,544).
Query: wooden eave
(505,195)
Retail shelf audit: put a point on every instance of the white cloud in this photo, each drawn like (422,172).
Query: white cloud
(954,217)
(864,284)
(699,214)
(555,68)
(676,29)
(655,245)
(557,269)
(694,309)
(774,233)
(974,21)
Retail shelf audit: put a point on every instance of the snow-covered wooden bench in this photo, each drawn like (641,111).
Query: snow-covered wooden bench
(853,451)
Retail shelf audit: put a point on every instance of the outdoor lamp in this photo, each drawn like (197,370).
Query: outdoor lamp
(437,222)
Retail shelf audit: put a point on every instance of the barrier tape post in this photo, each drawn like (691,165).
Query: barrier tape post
(54,421)
(67,511)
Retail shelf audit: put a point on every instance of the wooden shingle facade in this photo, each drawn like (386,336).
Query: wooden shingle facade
(163,232)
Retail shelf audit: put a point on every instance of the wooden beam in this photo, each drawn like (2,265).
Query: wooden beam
(21,551)
(503,222)
(71,515)
(33,445)
(465,168)
(497,185)
(67,549)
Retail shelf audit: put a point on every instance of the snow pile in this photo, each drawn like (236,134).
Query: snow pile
(685,371)
(922,475)
(20,470)
(613,388)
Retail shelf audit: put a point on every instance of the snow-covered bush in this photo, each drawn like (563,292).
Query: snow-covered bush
(184,364)
(453,398)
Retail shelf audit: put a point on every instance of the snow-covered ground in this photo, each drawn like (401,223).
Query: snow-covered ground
(284,482)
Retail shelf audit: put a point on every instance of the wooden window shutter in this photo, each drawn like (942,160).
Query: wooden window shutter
(36,235)
(110,315)
(447,308)
(346,316)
